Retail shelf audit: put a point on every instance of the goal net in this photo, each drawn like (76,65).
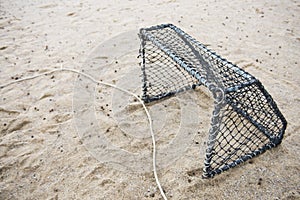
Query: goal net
(245,122)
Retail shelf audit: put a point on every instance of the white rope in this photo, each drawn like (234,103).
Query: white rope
(113,86)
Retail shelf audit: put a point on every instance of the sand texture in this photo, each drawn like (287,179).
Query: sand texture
(65,137)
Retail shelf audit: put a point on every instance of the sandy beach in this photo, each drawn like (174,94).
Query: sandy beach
(53,127)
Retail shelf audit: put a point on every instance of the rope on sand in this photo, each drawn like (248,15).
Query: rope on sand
(113,86)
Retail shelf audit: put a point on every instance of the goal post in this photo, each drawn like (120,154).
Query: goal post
(245,122)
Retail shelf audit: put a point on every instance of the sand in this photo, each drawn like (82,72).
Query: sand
(45,151)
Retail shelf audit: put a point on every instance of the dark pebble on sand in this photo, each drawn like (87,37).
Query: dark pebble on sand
(259,181)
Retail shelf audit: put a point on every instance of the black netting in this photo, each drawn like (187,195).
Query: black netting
(246,121)
(163,77)
(237,138)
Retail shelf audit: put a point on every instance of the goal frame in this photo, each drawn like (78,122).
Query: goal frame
(225,96)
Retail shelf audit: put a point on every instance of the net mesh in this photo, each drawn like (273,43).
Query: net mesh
(163,81)
(245,122)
